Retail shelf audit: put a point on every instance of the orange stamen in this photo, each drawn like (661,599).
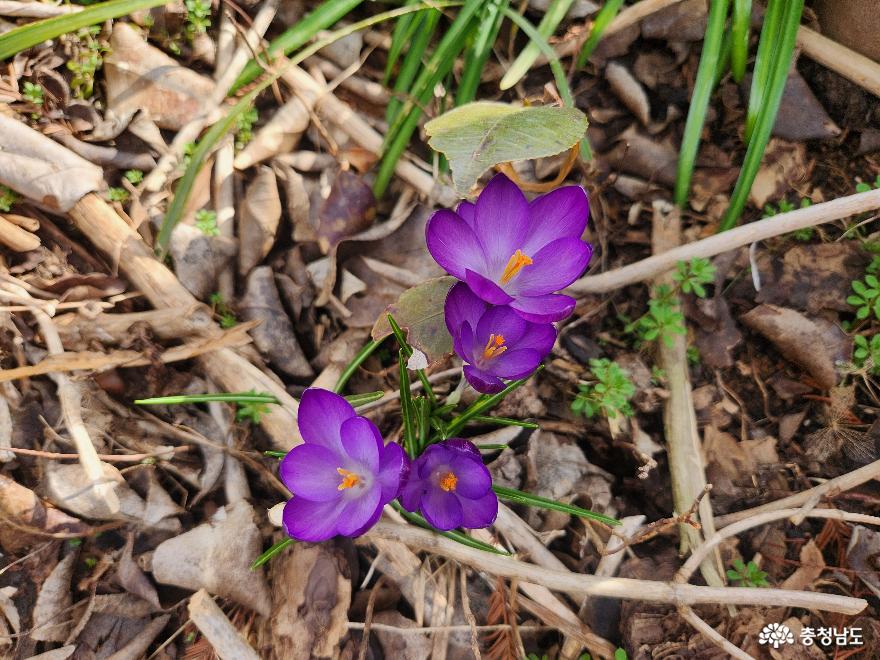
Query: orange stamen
(349,479)
(448,482)
(515,264)
(494,347)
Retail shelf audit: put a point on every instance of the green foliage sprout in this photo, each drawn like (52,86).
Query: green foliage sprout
(863,186)
(609,395)
(198,17)
(747,575)
(33,93)
(251,411)
(244,128)
(663,320)
(866,298)
(8,197)
(134,177)
(206,222)
(116,194)
(692,275)
(86,61)
(866,352)
(222,311)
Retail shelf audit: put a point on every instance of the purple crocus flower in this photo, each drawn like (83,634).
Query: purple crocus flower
(494,341)
(514,252)
(342,475)
(451,487)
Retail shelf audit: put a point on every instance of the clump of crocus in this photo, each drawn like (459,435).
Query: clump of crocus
(494,342)
(451,487)
(343,473)
(514,252)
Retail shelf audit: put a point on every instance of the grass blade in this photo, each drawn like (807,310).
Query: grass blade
(519,497)
(603,19)
(703,87)
(478,54)
(275,549)
(358,400)
(503,421)
(406,407)
(408,351)
(464,539)
(483,404)
(352,367)
(412,62)
(224,397)
(767,54)
(404,29)
(739,34)
(767,117)
(20,38)
(323,16)
(523,62)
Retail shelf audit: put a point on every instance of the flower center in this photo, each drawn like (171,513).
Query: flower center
(514,265)
(349,479)
(494,347)
(448,482)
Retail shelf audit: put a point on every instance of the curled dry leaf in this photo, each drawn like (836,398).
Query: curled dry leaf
(629,91)
(816,345)
(49,621)
(141,77)
(274,336)
(216,556)
(42,170)
(419,312)
(812,564)
(259,216)
(311,597)
(199,258)
(349,209)
(131,578)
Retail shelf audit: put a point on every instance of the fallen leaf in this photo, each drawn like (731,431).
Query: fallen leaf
(862,554)
(801,116)
(349,209)
(629,91)
(216,556)
(816,345)
(258,219)
(49,621)
(274,336)
(811,566)
(130,577)
(142,77)
(419,311)
(783,168)
(199,259)
(681,21)
(476,136)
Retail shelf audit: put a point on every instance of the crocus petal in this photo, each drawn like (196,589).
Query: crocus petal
(480,512)
(305,520)
(486,288)
(366,526)
(561,213)
(320,417)
(482,381)
(462,306)
(362,443)
(433,457)
(442,509)
(556,266)
(453,244)
(412,492)
(544,309)
(473,477)
(359,510)
(539,337)
(501,321)
(501,221)
(516,364)
(393,469)
(462,446)
(310,471)
(466,211)
(463,343)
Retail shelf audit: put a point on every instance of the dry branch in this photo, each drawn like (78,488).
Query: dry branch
(777,225)
(224,638)
(16,238)
(624,588)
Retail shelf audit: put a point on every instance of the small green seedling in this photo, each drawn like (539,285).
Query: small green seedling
(609,395)
(206,222)
(867,298)
(692,275)
(33,93)
(662,320)
(864,186)
(251,411)
(134,177)
(116,194)
(244,128)
(87,60)
(198,17)
(747,575)
(8,197)
(223,311)
(867,352)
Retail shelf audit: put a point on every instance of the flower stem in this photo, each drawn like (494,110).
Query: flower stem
(368,349)
(408,351)
(406,407)
(275,549)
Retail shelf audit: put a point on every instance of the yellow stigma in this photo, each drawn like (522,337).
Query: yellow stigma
(349,479)
(514,265)
(448,482)
(494,347)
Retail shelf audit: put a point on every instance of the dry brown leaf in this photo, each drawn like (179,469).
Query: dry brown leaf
(142,77)
(801,116)
(216,556)
(199,259)
(816,345)
(258,219)
(783,168)
(629,90)
(811,566)
(130,577)
(50,617)
(682,21)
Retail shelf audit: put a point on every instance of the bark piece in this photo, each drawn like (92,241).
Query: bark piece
(274,336)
